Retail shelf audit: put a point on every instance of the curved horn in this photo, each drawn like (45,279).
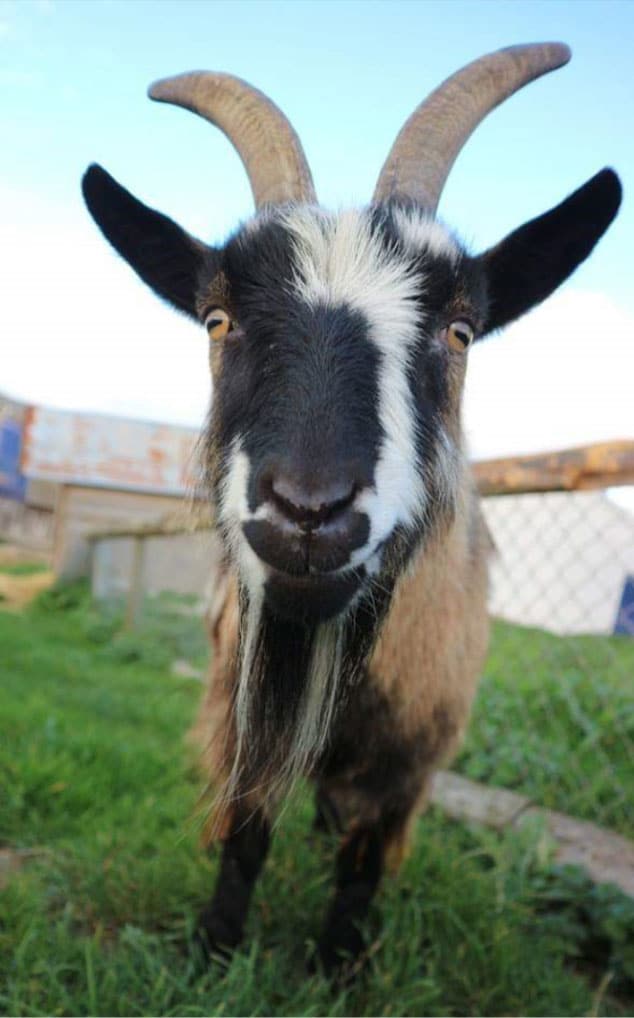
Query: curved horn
(264,139)
(427,145)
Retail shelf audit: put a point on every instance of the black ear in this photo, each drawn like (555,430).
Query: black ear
(165,257)
(529,264)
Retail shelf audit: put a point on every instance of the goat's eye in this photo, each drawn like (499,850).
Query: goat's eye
(218,324)
(460,335)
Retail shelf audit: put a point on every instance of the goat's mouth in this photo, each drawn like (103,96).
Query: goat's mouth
(297,551)
(312,597)
(311,575)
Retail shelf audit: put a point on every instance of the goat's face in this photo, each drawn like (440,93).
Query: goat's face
(339,341)
(335,433)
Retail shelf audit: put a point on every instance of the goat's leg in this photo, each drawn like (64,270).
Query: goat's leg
(376,777)
(359,867)
(371,847)
(221,923)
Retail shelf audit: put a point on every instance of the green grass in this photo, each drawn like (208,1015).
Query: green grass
(554,719)
(95,774)
(23,568)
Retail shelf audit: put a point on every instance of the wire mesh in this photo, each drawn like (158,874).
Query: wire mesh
(554,717)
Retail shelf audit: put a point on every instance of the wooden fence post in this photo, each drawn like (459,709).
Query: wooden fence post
(134,608)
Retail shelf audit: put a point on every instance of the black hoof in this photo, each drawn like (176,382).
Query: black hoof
(215,939)
(341,958)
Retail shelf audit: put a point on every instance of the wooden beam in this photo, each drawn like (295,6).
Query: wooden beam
(602,465)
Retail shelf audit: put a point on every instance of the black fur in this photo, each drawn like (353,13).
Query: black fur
(221,923)
(312,599)
(377,765)
(520,271)
(299,364)
(529,264)
(279,681)
(358,871)
(159,251)
(277,686)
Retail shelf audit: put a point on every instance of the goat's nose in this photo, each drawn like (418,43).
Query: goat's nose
(308,521)
(311,509)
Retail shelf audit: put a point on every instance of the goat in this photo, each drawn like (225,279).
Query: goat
(349,624)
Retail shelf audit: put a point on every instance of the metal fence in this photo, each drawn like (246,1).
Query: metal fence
(554,718)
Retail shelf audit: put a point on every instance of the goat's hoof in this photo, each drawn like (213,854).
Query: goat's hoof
(214,940)
(342,957)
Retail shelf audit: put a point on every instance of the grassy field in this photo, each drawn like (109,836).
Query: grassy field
(98,796)
(554,719)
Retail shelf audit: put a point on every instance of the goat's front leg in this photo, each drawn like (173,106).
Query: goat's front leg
(375,782)
(221,923)
(359,866)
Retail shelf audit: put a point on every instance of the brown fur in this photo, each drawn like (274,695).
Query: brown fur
(432,644)
(424,672)
(214,729)
(408,714)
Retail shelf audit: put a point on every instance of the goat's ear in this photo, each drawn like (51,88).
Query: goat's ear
(529,264)
(165,257)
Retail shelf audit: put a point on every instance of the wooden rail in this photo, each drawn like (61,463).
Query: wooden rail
(188,519)
(603,465)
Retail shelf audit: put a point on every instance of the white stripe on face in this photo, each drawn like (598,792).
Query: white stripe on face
(419,232)
(340,262)
(233,511)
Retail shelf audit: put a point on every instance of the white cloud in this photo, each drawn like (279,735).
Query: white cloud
(78,330)
(561,376)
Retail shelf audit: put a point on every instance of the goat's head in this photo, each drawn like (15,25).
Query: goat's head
(339,341)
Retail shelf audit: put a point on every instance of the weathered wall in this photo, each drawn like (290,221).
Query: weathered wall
(27,526)
(181,563)
(83,510)
(111,452)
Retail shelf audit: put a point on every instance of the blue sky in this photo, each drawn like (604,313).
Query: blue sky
(73,77)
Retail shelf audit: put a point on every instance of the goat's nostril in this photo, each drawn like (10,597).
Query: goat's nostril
(311,509)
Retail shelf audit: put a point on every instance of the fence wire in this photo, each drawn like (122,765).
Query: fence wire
(554,717)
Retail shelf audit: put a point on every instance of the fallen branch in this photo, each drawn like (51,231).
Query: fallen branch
(606,857)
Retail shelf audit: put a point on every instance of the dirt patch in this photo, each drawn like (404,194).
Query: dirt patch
(12,860)
(13,554)
(18,591)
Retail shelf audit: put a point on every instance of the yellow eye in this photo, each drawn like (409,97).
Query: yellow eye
(460,336)
(218,324)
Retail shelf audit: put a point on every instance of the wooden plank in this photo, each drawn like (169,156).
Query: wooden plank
(189,518)
(606,857)
(602,465)
(134,606)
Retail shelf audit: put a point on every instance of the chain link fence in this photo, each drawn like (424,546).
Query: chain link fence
(554,717)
